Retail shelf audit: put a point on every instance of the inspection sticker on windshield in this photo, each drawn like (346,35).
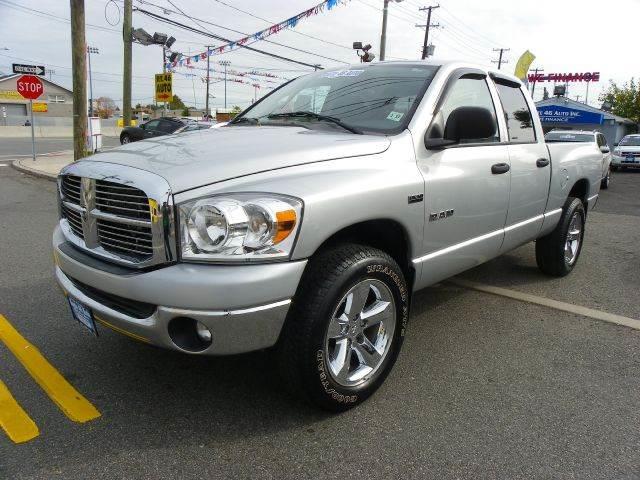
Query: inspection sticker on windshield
(395,116)
(342,73)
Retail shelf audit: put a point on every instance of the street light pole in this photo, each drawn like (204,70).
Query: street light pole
(206,106)
(225,64)
(383,36)
(91,50)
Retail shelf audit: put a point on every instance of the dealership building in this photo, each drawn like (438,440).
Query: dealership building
(54,107)
(562,113)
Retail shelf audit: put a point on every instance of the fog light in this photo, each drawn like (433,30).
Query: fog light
(203,332)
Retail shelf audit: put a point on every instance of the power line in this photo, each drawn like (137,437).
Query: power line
(218,37)
(271,22)
(200,21)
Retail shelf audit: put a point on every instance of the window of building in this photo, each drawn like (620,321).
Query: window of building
(516,114)
(57,99)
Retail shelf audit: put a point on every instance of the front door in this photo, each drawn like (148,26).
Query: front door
(465,201)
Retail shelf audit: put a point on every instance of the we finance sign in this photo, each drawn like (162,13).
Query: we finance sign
(565,115)
(564,77)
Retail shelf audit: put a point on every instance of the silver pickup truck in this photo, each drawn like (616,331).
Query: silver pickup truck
(308,222)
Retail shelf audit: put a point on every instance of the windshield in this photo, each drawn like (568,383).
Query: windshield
(631,141)
(370,98)
(569,137)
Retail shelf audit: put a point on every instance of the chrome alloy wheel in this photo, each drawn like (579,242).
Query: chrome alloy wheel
(360,333)
(574,237)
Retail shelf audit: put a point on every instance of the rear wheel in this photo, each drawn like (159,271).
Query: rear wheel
(558,252)
(345,327)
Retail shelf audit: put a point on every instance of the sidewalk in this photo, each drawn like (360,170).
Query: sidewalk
(45,166)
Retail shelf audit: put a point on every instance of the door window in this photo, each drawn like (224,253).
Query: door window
(467,92)
(516,114)
(168,127)
(152,125)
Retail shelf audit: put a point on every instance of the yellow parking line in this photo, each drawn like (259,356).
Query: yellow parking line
(67,398)
(14,420)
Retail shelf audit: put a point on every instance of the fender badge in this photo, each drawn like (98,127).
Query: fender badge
(416,198)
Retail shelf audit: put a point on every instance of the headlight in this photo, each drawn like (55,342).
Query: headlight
(616,151)
(239,227)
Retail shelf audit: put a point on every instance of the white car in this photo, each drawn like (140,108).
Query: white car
(627,153)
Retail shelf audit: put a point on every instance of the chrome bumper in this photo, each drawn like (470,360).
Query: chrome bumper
(243,306)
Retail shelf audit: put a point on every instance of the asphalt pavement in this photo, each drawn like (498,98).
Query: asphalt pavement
(485,387)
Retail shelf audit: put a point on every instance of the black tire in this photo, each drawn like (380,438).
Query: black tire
(604,183)
(614,168)
(124,139)
(329,277)
(550,249)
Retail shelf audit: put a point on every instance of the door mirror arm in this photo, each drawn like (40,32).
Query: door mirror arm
(437,143)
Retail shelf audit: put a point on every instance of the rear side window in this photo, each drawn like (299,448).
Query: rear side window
(168,127)
(517,114)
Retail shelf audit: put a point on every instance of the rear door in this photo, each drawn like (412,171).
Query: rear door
(530,165)
(466,203)
(606,153)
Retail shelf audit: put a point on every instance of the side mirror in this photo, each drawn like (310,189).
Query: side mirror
(469,124)
(605,149)
(142,125)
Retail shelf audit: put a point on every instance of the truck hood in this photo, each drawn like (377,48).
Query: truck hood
(203,157)
(628,148)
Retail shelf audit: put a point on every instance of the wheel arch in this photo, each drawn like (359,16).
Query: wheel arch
(386,234)
(580,189)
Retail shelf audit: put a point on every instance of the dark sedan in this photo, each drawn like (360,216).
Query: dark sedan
(153,128)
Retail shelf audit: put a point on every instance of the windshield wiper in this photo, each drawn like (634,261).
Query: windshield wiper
(251,120)
(315,116)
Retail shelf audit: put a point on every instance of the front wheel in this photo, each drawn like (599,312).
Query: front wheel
(345,328)
(557,253)
(124,139)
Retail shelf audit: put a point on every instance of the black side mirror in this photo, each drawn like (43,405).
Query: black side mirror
(470,123)
(142,125)
(605,149)
(463,124)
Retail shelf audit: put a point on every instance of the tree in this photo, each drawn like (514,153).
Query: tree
(624,100)
(105,107)
(185,112)
(176,103)
(235,111)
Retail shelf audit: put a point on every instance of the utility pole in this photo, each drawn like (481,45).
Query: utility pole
(578,98)
(50,72)
(383,36)
(206,103)
(427,26)
(535,72)
(225,64)
(126,78)
(500,61)
(164,70)
(78,56)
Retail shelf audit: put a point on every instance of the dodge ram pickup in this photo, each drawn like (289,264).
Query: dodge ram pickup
(307,223)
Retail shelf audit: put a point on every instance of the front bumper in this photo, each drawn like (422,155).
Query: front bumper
(622,161)
(244,306)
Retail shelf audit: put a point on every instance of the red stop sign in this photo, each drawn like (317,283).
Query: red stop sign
(30,86)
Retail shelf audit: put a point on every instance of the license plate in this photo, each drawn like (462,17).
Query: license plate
(83,315)
(630,159)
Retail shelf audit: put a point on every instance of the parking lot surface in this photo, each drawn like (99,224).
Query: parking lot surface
(485,387)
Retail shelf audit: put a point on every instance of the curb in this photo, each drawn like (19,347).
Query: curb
(32,171)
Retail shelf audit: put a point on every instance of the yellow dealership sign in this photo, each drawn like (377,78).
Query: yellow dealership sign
(522,67)
(40,107)
(10,95)
(164,82)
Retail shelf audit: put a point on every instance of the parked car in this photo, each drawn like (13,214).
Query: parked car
(309,221)
(627,153)
(151,129)
(572,136)
(192,126)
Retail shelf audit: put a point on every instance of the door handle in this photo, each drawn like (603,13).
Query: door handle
(499,168)
(542,162)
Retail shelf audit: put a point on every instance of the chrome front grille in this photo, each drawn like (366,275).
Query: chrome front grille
(132,240)
(114,218)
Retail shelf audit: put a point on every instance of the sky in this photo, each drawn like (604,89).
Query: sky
(566,36)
